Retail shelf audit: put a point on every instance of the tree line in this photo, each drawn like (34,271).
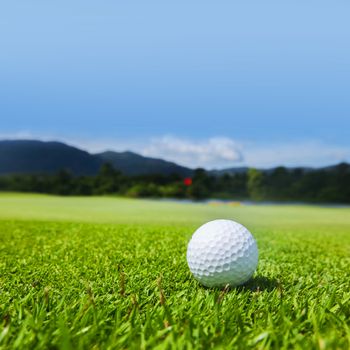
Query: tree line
(280,184)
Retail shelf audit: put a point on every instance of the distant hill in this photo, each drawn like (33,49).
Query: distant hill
(134,164)
(242,170)
(229,171)
(38,157)
(35,157)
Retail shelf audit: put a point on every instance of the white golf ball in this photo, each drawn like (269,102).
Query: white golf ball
(222,252)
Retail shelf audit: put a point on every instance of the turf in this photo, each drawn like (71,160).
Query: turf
(106,273)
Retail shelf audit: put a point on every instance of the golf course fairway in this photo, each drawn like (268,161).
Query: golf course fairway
(111,273)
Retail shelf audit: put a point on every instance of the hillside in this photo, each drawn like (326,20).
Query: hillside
(134,164)
(229,171)
(33,157)
(38,157)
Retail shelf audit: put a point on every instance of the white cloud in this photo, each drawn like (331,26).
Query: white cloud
(213,152)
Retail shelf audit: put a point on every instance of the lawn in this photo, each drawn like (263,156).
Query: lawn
(111,273)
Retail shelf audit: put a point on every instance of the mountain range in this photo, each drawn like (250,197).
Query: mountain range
(39,157)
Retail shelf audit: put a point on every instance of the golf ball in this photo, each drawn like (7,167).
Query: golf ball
(222,252)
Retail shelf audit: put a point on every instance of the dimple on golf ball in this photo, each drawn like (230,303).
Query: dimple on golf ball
(222,252)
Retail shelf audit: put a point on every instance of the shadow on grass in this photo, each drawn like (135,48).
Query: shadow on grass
(256,284)
(260,283)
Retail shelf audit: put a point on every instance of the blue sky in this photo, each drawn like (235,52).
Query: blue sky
(203,83)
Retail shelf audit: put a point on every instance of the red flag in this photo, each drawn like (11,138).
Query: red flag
(187,181)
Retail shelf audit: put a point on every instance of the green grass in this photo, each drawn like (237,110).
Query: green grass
(106,273)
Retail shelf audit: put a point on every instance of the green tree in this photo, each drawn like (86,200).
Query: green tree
(144,190)
(255,184)
(201,185)
(62,183)
(108,180)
